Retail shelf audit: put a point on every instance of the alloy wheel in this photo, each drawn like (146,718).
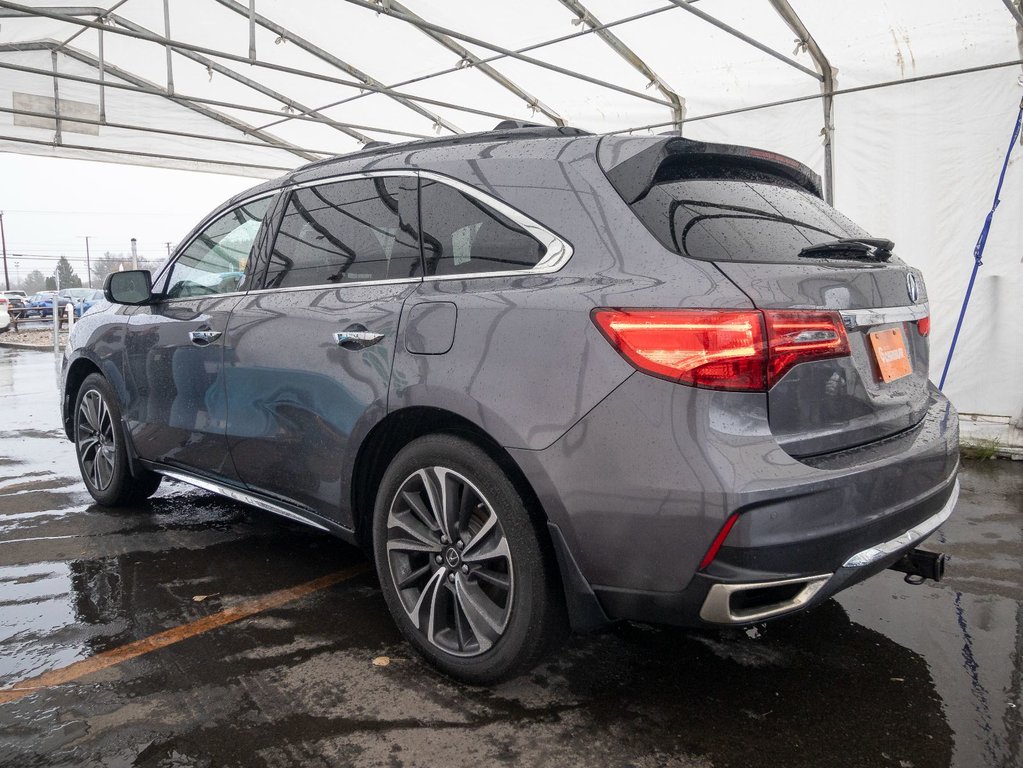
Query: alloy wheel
(96,440)
(450,562)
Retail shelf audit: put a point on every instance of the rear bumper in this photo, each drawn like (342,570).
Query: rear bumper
(642,485)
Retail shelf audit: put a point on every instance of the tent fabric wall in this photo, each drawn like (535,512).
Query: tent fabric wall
(915,160)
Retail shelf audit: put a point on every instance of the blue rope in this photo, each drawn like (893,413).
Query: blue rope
(978,250)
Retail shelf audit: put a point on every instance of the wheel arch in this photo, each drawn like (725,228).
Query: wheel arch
(398,429)
(77,372)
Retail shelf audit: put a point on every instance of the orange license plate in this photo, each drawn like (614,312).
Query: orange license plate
(890,353)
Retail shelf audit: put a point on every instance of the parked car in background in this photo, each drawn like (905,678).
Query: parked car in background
(5,315)
(16,300)
(41,304)
(544,377)
(95,296)
(77,297)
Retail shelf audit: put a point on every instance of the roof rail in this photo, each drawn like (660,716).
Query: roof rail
(518,133)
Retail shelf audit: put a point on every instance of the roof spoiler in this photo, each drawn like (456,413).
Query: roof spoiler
(634,164)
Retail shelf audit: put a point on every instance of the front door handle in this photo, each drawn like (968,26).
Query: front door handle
(357,337)
(203,338)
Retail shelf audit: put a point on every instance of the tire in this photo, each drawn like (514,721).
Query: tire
(102,449)
(483,604)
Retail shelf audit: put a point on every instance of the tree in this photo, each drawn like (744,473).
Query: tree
(107,263)
(34,282)
(66,276)
(50,284)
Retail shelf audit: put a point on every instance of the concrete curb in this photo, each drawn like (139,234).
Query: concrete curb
(16,345)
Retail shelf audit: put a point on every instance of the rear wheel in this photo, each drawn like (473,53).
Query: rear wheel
(460,562)
(102,449)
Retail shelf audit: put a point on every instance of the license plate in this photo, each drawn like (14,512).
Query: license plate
(890,353)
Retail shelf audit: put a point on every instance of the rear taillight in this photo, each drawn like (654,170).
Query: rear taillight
(924,325)
(702,347)
(798,337)
(739,350)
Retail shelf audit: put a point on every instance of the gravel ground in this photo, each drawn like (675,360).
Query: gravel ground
(33,337)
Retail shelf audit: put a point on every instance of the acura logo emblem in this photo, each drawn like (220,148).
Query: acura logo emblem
(912,287)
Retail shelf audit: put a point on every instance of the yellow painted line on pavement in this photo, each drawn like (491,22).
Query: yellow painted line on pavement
(174,635)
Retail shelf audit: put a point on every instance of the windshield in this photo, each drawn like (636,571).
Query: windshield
(741,220)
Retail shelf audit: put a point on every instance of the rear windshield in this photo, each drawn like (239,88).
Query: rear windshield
(755,220)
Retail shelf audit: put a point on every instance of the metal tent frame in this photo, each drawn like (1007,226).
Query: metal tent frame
(335,71)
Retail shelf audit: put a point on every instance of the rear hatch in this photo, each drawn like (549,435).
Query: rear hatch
(756,216)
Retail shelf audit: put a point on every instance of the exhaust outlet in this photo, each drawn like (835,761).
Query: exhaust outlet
(920,565)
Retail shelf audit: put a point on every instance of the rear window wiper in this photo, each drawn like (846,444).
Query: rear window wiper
(867,248)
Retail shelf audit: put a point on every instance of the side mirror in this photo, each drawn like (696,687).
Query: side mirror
(134,287)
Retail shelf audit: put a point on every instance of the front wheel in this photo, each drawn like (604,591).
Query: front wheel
(102,449)
(460,562)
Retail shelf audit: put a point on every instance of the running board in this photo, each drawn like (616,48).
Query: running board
(242,496)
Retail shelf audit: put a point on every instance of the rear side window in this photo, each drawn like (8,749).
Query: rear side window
(346,232)
(756,220)
(462,235)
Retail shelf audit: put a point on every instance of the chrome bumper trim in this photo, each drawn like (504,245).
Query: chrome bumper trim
(910,537)
(242,496)
(717,607)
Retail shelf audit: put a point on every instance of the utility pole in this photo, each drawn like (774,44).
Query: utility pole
(3,240)
(134,254)
(88,262)
(168,248)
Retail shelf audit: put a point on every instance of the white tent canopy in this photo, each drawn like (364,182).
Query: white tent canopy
(919,101)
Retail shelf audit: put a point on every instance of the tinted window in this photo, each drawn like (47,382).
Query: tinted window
(741,220)
(345,232)
(462,236)
(216,260)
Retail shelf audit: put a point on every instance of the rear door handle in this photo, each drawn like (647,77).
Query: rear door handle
(357,337)
(203,338)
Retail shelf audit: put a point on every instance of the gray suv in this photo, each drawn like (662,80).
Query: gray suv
(548,379)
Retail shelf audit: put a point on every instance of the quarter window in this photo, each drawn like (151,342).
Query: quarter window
(217,259)
(462,235)
(346,232)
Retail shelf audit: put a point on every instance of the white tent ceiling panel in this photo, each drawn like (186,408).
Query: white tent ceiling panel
(915,162)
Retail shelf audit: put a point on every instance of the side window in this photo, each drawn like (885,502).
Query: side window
(216,260)
(462,235)
(346,232)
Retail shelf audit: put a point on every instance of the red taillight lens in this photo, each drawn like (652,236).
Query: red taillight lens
(798,337)
(722,349)
(924,325)
(704,348)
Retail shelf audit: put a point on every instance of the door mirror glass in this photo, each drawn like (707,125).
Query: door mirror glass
(133,287)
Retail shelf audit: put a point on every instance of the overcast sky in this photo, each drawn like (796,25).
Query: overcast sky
(49,205)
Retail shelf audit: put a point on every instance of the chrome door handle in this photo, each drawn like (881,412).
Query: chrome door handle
(202,338)
(357,339)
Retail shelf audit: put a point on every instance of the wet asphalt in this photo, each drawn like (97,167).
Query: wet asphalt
(886,675)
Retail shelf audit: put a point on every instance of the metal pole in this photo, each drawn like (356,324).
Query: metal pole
(102,77)
(56,97)
(252,30)
(3,240)
(828,73)
(56,313)
(134,254)
(167,34)
(88,261)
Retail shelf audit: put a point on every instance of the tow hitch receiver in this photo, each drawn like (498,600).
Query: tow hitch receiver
(920,565)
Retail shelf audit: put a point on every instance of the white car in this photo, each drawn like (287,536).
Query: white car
(5,316)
